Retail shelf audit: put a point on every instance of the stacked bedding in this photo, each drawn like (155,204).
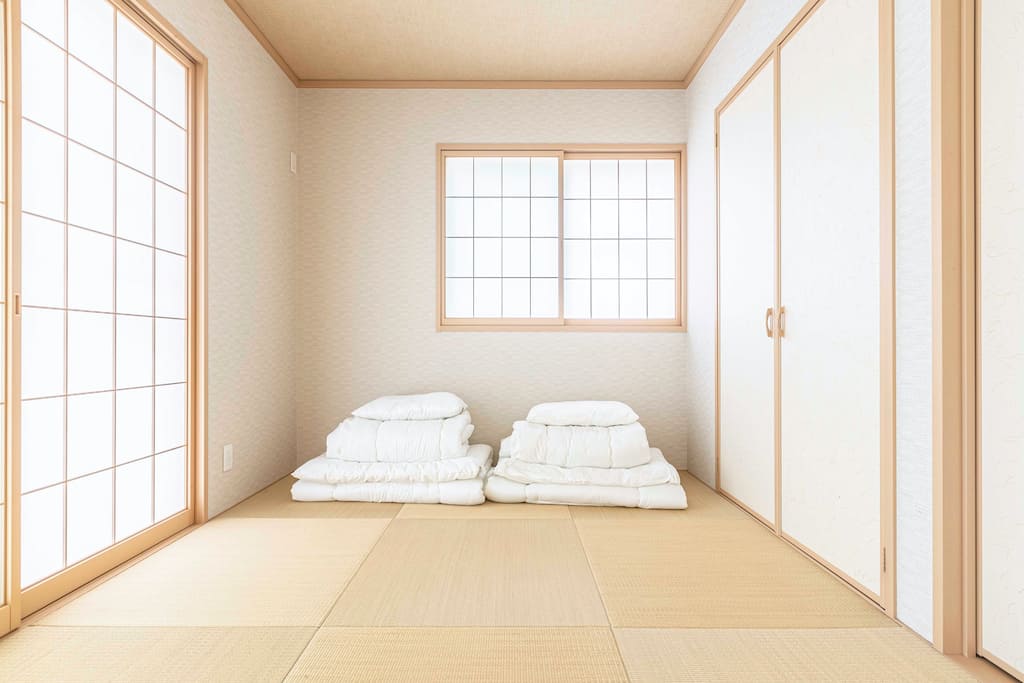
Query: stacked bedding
(400,449)
(583,453)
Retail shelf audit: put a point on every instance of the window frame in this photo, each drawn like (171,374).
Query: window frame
(676,152)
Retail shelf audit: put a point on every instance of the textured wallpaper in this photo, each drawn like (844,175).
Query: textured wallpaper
(252,210)
(366,264)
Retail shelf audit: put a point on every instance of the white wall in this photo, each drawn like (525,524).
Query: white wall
(367,263)
(253,123)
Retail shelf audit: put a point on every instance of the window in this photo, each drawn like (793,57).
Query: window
(550,238)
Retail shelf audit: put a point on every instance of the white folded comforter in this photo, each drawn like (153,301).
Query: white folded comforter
(324,470)
(462,492)
(578,446)
(660,496)
(359,439)
(655,472)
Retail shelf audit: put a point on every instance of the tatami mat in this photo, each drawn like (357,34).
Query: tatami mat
(461,655)
(714,573)
(456,572)
(233,572)
(757,656)
(50,654)
(276,501)
(488,510)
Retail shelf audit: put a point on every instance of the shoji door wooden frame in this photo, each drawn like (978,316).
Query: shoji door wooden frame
(21,602)
(886,600)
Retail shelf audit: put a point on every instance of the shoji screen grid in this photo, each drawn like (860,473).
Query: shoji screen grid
(104,286)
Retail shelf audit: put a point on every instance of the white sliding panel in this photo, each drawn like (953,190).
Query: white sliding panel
(830,182)
(746,282)
(1000,251)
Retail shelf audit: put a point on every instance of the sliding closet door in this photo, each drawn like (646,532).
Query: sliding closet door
(746,291)
(104,235)
(830,268)
(4,171)
(1000,342)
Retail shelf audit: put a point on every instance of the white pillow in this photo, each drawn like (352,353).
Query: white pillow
(436,406)
(582,414)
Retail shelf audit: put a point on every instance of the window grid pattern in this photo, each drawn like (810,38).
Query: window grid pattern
(501,237)
(104,284)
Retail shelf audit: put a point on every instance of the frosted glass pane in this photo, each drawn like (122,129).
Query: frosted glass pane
(90,515)
(42,443)
(42,520)
(42,91)
(515,298)
(458,256)
(134,133)
(90,270)
(633,299)
(515,217)
(577,299)
(134,278)
(487,298)
(487,217)
(171,87)
(661,178)
(170,473)
(133,438)
(577,178)
(90,189)
(633,178)
(544,177)
(134,59)
(605,299)
(604,218)
(632,218)
(632,258)
(604,255)
(515,257)
(661,258)
(91,33)
(458,178)
(577,258)
(544,298)
(661,220)
(42,352)
(134,205)
(544,217)
(458,298)
(170,417)
(90,108)
(90,352)
(171,224)
(577,218)
(487,257)
(45,16)
(515,176)
(604,178)
(42,161)
(171,292)
(134,492)
(90,433)
(458,217)
(661,298)
(171,154)
(42,253)
(134,351)
(544,257)
(170,351)
(487,177)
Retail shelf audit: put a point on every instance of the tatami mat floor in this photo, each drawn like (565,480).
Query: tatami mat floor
(274,590)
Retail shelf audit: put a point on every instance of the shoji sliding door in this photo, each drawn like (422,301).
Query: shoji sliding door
(105,233)
(1000,332)
(746,294)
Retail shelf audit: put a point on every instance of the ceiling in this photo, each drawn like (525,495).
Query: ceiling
(487,40)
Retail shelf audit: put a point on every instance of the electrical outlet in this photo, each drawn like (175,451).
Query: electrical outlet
(229,457)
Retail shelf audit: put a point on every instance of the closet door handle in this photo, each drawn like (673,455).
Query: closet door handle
(768,320)
(782,321)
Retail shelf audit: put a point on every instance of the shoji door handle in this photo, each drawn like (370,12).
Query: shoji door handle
(769,319)
(782,321)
